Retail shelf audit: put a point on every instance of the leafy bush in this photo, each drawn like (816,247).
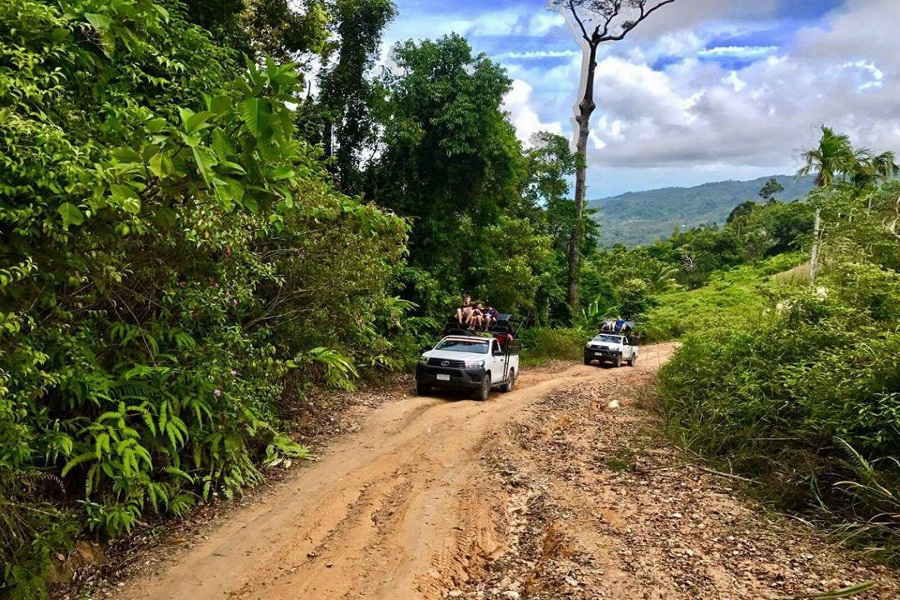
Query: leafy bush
(785,397)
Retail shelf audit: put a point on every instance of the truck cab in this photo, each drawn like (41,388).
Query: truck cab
(612,347)
(472,362)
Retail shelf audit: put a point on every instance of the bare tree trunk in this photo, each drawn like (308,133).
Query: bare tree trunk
(328,137)
(585,108)
(814,256)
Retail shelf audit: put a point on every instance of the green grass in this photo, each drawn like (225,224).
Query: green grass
(732,298)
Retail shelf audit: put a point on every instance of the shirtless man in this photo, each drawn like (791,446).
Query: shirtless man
(464,312)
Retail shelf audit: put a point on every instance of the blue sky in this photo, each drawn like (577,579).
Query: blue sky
(706,90)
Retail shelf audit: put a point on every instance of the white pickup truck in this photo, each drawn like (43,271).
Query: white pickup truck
(469,362)
(614,348)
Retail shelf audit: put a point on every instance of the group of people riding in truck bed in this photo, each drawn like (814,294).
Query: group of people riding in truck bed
(617,325)
(475,315)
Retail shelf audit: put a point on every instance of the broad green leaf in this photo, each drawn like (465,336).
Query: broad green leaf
(198,121)
(71,214)
(126,198)
(250,203)
(218,104)
(256,114)
(165,217)
(191,140)
(222,145)
(205,160)
(101,22)
(156,125)
(228,191)
(279,173)
(126,155)
(160,165)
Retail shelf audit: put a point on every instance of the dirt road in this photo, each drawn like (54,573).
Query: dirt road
(543,492)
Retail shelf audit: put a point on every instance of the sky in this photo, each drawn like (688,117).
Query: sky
(704,90)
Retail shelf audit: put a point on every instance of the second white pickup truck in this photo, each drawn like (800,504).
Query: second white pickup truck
(614,348)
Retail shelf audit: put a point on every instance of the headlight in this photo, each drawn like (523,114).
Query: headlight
(423,360)
(474,364)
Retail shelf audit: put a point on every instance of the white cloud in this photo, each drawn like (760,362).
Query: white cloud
(545,22)
(696,113)
(522,113)
(669,98)
(734,81)
(747,52)
(536,54)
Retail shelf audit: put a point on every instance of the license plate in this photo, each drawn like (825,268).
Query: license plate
(443,378)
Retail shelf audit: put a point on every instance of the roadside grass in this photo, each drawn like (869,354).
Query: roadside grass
(541,345)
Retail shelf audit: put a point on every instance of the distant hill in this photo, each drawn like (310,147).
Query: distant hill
(638,218)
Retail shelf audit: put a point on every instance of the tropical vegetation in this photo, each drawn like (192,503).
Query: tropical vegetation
(192,242)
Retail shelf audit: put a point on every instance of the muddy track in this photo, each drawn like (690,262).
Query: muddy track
(561,489)
(403,508)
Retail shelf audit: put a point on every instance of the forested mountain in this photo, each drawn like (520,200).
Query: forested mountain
(638,218)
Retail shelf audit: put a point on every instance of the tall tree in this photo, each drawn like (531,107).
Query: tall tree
(346,94)
(872,171)
(550,163)
(832,160)
(449,158)
(767,192)
(597,21)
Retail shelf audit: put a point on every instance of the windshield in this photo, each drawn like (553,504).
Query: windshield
(610,339)
(477,347)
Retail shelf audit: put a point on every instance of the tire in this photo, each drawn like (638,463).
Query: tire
(508,386)
(632,360)
(618,361)
(422,389)
(482,393)
(587,360)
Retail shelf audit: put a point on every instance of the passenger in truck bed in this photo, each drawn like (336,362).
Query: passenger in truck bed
(464,312)
(476,321)
(490,316)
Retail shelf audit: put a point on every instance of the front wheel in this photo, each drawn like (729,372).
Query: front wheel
(422,389)
(618,360)
(632,360)
(587,360)
(482,393)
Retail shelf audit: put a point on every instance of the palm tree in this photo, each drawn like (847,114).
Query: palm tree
(835,161)
(873,171)
(831,161)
